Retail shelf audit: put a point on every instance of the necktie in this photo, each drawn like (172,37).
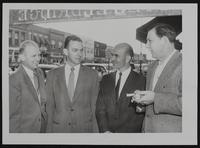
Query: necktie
(117,86)
(71,83)
(36,81)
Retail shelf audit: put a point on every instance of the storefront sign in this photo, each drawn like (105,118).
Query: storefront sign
(24,16)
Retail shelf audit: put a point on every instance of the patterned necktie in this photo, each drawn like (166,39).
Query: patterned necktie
(36,80)
(117,86)
(71,83)
(36,83)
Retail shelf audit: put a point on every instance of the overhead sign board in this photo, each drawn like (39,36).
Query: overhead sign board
(26,16)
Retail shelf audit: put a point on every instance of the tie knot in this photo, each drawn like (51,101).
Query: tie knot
(72,68)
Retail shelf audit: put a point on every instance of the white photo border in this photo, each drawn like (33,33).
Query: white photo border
(189,134)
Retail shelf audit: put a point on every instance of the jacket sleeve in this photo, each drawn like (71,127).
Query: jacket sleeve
(50,106)
(101,111)
(14,105)
(170,102)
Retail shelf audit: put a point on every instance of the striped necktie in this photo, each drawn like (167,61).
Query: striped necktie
(117,86)
(36,80)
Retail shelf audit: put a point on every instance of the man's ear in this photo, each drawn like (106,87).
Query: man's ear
(65,51)
(21,57)
(165,39)
(128,58)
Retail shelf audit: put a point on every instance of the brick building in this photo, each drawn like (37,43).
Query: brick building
(51,43)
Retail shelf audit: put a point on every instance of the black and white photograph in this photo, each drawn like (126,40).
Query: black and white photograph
(99,73)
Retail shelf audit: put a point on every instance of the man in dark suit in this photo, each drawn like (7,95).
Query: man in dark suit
(27,96)
(72,92)
(114,110)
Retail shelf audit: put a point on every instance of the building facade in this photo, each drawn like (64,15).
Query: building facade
(51,44)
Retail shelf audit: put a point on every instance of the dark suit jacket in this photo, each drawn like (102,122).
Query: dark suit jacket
(119,116)
(165,115)
(77,116)
(24,106)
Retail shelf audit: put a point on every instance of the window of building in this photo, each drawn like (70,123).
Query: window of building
(22,36)
(29,35)
(53,43)
(16,38)
(10,37)
(60,45)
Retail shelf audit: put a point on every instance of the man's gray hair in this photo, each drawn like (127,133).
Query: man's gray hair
(25,43)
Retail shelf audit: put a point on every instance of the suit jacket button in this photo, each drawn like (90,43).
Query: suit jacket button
(71,109)
(69,123)
(39,119)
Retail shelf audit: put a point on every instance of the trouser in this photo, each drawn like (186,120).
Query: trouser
(43,123)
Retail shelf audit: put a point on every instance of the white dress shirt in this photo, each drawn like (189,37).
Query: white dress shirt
(123,78)
(31,76)
(159,69)
(68,71)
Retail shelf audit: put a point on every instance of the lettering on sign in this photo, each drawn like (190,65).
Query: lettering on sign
(22,16)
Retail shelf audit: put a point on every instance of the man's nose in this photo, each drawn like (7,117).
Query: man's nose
(80,53)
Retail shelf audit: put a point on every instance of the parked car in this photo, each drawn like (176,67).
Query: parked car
(101,68)
(46,67)
(144,68)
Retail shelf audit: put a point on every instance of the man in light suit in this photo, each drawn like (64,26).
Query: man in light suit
(27,96)
(115,113)
(72,92)
(163,99)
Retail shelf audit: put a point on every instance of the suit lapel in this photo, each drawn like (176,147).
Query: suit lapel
(42,87)
(167,71)
(29,84)
(61,83)
(130,81)
(43,96)
(111,84)
(113,77)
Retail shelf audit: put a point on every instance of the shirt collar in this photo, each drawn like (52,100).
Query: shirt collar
(28,71)
(77,67)
(167,59)
(125,72)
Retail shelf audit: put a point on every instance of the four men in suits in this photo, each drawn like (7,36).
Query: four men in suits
(164,83)
(27,96)
(72,91)
(114,110)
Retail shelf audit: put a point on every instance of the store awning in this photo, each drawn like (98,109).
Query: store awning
(174,21)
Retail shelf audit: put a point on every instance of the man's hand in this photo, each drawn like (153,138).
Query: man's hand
(143,97)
